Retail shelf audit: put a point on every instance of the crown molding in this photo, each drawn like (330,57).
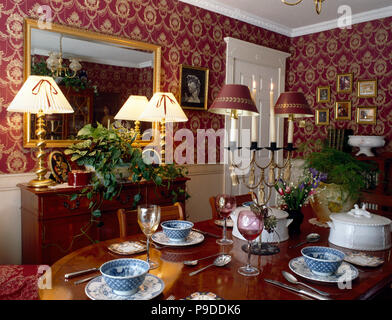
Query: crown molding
(284,30)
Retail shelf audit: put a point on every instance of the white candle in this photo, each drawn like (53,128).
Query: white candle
(272,115)
(108,124)
(291,131)
(233,130)
(254,129)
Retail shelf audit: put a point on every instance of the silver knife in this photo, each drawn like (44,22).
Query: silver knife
(307,293)
(78,273)
(206,233)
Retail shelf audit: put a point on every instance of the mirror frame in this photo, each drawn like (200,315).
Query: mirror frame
(30,24)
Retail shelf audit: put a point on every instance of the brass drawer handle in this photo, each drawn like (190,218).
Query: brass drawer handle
(76,206)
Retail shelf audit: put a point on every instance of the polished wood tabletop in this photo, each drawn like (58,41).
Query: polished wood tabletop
(225,282)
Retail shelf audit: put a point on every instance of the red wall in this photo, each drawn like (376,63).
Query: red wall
(187,34)
(365,51)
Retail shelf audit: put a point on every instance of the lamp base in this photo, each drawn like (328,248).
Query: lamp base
(36,183)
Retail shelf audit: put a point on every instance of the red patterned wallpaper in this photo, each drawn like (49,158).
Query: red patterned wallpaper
(188,35)
(365,51)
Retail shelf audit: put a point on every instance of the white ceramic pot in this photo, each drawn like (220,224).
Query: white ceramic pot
(366,143)
(358,229)
(281,231)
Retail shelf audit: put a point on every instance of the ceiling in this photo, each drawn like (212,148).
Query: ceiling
(296,20)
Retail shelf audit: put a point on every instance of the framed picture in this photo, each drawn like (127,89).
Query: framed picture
(193,87)
(59,166)
(367,88)
(344,83)
(323,94)
(322,117)
(366,115)
(343,110)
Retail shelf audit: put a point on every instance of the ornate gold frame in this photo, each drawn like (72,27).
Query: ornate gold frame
(319,100)
(30,24)
(359,120)
(320,123)
(361,95)
(206,75)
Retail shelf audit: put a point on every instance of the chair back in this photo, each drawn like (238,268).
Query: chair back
(127,219)
(240,199)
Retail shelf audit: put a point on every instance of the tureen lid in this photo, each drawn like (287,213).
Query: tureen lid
(360,216)
(279,214)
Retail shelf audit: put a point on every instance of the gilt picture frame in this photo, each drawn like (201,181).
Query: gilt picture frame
(193,87)
(344,83)
(322,117)
(367,88)
(366,115)
(323,94)
(343,110)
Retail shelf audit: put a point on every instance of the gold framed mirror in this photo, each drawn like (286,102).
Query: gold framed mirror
(102,53)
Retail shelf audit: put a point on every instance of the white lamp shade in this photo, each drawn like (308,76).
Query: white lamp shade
(40,93)
(132,108)
(163,105)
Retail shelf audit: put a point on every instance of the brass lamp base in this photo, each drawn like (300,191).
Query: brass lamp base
(36,183)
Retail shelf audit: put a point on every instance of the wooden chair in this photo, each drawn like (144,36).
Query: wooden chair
(380,204)
(127,219)
(239,200)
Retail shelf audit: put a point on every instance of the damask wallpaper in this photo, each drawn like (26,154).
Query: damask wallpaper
(366,52)
(188,35)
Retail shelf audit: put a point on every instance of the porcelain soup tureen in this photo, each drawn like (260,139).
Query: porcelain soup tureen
(360,230)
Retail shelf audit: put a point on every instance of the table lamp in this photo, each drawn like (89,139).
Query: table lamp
(40,95)
(292,105)
(131,110)
(163,107)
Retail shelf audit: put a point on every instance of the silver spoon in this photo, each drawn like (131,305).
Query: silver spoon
(195,262)
(220,261)
(292,279)
(312,237)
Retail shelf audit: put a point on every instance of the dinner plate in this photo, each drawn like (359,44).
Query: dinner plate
(127,247)
(97,289)
(192,239)
(221,223)
(364,260)
(346,272)
(203,296)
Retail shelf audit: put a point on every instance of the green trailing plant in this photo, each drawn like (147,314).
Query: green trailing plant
(341,168)
(107,149)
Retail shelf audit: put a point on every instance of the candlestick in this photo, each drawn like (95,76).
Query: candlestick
(254,129)
(233,127)
(291,129)
(272,115)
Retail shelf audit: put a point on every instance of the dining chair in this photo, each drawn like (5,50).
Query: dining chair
(127,219)
(240,199)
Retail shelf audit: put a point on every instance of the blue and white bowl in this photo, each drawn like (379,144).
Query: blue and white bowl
(177,230)
(322,261)
(124,276)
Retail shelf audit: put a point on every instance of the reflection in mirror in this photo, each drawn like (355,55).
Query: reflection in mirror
(97,73)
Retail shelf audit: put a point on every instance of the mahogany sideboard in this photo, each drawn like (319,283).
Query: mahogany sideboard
(53,225)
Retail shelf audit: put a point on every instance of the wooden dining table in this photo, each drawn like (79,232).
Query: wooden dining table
(225,281)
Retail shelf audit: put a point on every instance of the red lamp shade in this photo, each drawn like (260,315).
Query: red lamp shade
(234,97)
(292,103)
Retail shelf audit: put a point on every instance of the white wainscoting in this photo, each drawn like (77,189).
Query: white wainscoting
(206,181)
(10,217)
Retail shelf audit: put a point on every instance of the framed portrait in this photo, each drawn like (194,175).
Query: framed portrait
(344,83)
(193,87)
(343,110)
(366,115)
(323,94)
(322,117)
(59,166)
(367,88)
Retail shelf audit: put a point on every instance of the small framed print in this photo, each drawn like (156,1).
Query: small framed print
(366,115)
(344,83)
(193,87)
(322,117)
(323,94)
(367,88)
(343,110)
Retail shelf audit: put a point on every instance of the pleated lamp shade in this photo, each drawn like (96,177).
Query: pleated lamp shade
(163,105)
(132,108)
(292,103)
(40,93)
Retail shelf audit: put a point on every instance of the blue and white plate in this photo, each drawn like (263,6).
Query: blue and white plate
(346,272)
(97,289)
(192,239)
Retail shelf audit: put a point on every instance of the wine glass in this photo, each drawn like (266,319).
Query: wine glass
(250,225)
(225,204)
(148,218)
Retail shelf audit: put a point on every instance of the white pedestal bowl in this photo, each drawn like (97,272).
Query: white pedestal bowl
(366,143)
